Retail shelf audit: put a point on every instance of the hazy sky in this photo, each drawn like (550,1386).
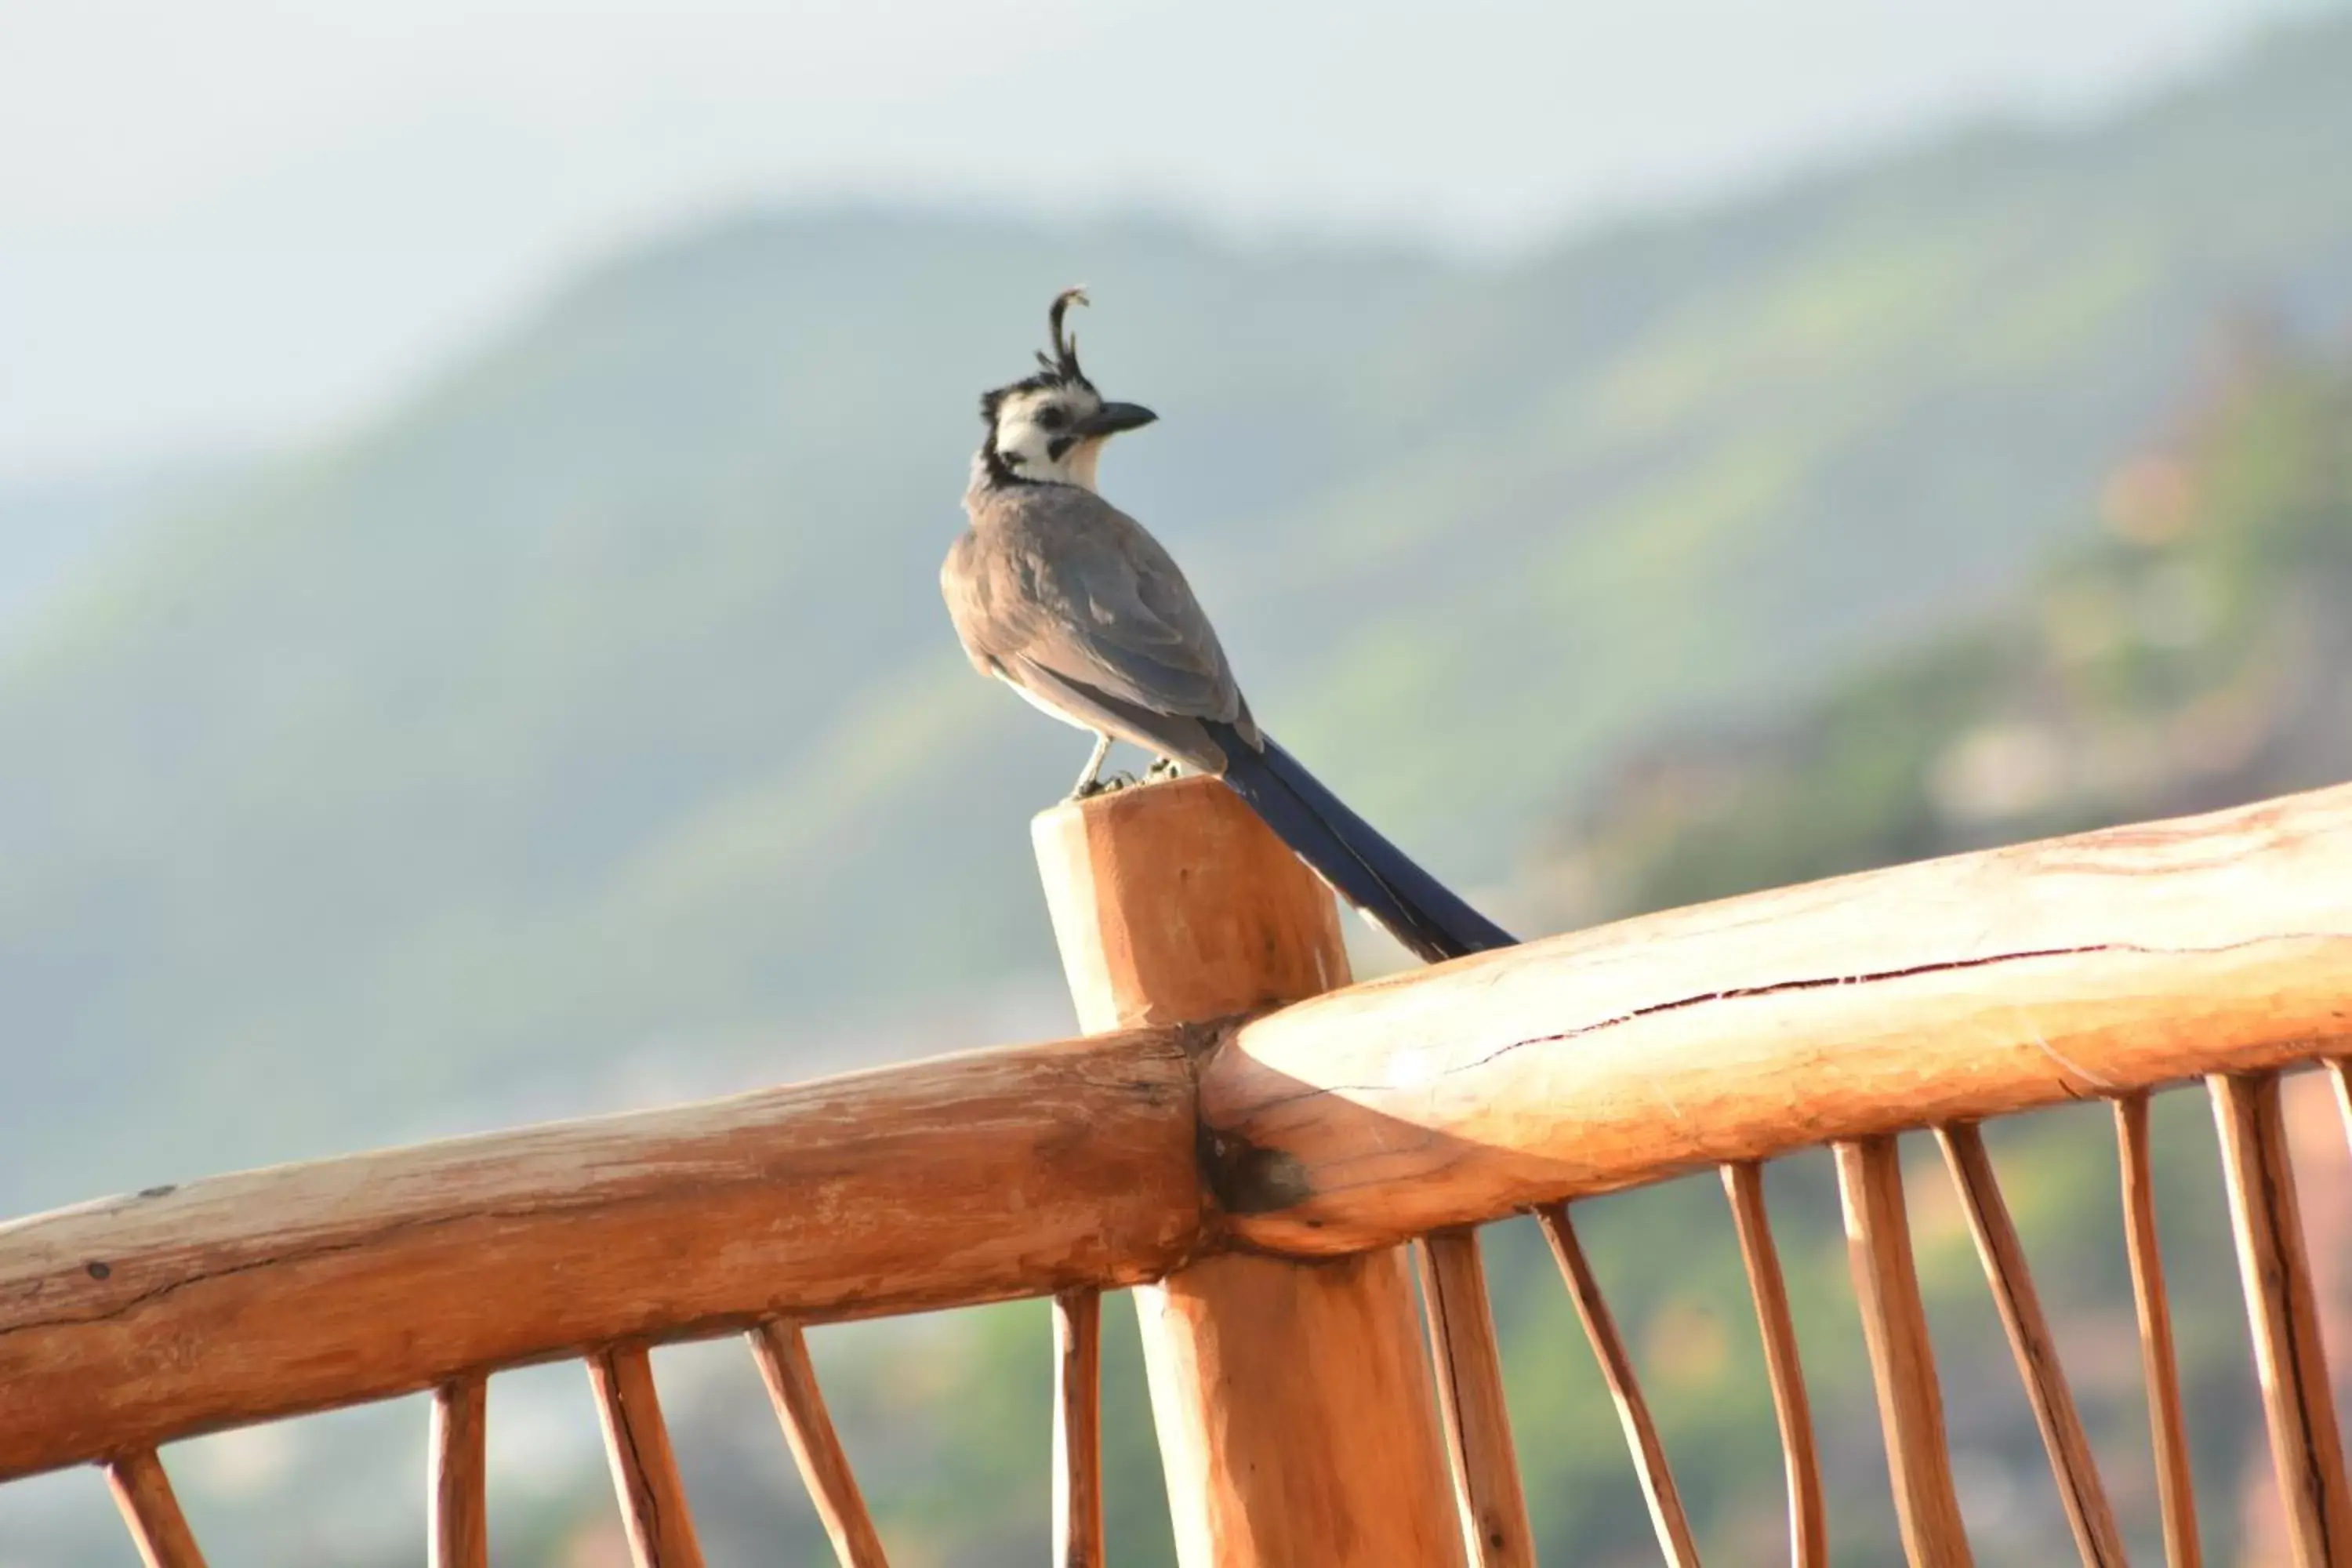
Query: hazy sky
(228,223)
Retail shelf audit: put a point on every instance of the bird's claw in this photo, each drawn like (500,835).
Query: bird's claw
(1110,784)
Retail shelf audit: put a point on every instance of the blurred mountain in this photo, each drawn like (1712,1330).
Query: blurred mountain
(600,700)
(53,529)
(2192,654)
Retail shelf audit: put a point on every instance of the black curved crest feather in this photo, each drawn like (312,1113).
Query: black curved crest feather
(1065,362)
(1059,368)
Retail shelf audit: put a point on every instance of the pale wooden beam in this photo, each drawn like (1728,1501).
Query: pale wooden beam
(1949,990)
(1077,1430)
(1470,1398)
(458,1511)
(2176,1487)
(1902,1358)
(781,1350)
(143,1492)
(1297,1420)
(971,1178)
(1808,1536)
(644,1468)
(1666,1515)
(2080,1488)
(2297,1404)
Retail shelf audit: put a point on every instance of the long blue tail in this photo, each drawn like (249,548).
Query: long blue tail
(1368,871)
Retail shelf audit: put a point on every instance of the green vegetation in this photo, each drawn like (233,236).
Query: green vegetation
(2195,653)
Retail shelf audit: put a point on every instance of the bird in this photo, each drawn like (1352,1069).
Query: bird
(1073,605)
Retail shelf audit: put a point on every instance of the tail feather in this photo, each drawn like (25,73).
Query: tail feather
(1368,871)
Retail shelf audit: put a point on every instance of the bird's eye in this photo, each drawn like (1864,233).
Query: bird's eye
(1053,416)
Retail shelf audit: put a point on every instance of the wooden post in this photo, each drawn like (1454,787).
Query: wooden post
(1296,1417)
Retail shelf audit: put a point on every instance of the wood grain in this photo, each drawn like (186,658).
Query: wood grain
(1666,1515)
(246,1298)
(458,1507)
(2081,1490)
(1808,1536)
(1077,1430)
(1295,1416)
(781,1350)
(2159,1366)
(1902,1358)
(1174,904)
(1951,990)
(2298,1407)
(143,1492)
(645,1467)
(1470,1398)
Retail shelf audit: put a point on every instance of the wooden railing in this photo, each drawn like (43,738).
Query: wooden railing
(1252,1144)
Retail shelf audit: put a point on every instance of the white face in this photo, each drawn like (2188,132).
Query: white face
(1034,439)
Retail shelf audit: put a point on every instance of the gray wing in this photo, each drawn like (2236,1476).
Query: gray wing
(1069,598)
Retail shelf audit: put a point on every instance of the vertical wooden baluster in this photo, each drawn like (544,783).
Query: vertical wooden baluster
(2341,1072)
(458,1507)
(1077,1430)
(1470,1398)
(143,1492)
(644,1469)
(2160,1369)
(1633,1411)
(1297,1415)
(2077,1469)
(1902,1358)
(2284,1311)
(781,1350)
(1808,1536)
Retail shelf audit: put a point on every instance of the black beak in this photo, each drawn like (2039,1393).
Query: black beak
(1113,418)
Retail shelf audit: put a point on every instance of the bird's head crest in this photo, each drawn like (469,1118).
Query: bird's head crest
(1064,361)
(1050,425)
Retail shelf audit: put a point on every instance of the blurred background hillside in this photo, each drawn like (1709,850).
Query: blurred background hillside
(491,669)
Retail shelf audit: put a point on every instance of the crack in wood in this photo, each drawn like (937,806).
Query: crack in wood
(1777,987)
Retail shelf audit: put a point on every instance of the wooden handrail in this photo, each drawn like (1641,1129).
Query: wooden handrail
(2099,964)
(138,1319)
(1951,990)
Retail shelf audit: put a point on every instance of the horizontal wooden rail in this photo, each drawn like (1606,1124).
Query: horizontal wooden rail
(1951,990)
(138,1320)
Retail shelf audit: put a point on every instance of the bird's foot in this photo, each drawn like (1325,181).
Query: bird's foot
(1162,769)
(1110,784)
